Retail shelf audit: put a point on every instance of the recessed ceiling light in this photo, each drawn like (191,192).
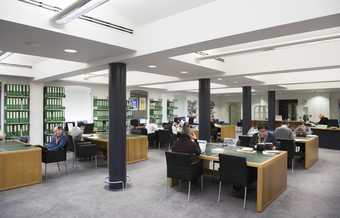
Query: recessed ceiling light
(235,82)
(152,66)
(184,72)
(219,79)
(70,51)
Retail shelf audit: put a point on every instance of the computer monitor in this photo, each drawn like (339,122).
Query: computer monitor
(81,122)
(88,128)
(333,123)
(142,121)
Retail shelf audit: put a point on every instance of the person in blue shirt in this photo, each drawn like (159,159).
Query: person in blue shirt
(58,141)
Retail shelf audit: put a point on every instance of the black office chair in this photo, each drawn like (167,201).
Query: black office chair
(234,170)
(184,167)
(245,140)
(54,157)
(165,138)
(81,149)
(152,138)
(290,147)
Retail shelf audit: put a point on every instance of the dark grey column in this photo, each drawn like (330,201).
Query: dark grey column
(204,109)
(117,126)
(271,110)
(246,109)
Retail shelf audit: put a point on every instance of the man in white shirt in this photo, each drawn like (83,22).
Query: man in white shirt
(151,127)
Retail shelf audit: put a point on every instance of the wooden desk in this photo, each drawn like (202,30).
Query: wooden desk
(328,137)
(20,165)
(271,172)
(311,149)
(136,149)
(228,131)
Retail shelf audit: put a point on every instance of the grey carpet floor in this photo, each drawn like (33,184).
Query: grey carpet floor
(313,193)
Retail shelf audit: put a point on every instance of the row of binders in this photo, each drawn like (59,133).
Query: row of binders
(101,104)
(17,116)
(49,127)
(55,116)
(16,89)
(16,103)
(101,115)
(55,91)
(54,103)
(17,130)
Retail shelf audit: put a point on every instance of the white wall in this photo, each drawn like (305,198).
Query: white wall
(78,103)
(316,103)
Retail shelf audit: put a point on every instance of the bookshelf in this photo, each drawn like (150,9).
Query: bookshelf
(100,114)
(16,108)
(54,111)
(170,104)
(129,113)
(156,111)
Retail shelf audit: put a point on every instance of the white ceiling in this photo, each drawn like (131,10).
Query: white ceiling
(138,12)
(18,38)
(307,62)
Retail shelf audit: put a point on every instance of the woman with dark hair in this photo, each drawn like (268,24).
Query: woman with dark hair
(187,142)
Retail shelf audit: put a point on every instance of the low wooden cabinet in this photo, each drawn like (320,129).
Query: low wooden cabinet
(19,167)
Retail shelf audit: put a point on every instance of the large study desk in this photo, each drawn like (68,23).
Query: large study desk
(328,137)
(271,171)
(20,165)
(311,149)
(136,146)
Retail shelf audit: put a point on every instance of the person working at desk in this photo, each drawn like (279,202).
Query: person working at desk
(58,140)
(77,132)
(264,136)
(187,142)
(284,132)
(323,119)
(151,126)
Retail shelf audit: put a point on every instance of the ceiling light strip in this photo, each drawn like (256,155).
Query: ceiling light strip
(83,17)
(16,65)
(270,47)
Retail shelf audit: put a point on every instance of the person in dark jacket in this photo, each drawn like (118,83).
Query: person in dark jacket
(323,119)
(187,142)
(264,136)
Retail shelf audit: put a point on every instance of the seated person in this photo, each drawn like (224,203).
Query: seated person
(284,132)
(77,132)
(151,126)
(323,119)
(187,142)
(58,141)
(301,131)
(264,136)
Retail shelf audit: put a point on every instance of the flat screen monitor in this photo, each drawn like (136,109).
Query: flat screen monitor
(88,128)
(142,121)
(333,123)
(134,122)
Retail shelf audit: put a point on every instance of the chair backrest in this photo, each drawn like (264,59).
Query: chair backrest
(178,164)
(164,136)
(233,169)
(70,143)
(245,140)
(287,145)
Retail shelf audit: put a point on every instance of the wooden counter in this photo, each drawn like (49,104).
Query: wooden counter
(227,131)
(328,137)
(20,165)
(311,153)
(291,124)
(271,172)
(136,150)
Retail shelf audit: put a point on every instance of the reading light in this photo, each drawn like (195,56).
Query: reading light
(152,66)
(76,10)
(70,51)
